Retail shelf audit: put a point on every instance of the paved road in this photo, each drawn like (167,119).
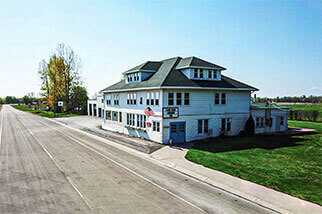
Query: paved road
(48,168)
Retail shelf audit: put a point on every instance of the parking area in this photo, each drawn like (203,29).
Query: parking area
(93,125)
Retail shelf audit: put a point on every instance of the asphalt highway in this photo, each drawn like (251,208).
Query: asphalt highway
(49,168)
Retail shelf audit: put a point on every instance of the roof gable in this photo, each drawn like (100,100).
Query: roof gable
(196,62)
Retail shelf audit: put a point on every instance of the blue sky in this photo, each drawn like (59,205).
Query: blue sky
(275,46)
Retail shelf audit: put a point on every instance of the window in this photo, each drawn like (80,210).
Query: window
(115,116)
(131,99)
(152,98)
(226,124)
(216,98)
(141,121)
(215,74)
(130,119)
(116,99)
(108,99)
(186,99)
(170,99)
(201,73)
(209,74)
(282,121)
(147,99)
(259,122)
(120,117)
(173,128)
(195,73)
(156,126)
(199,126)
(179,99)
(141,100)
(203,126)
(223,98)
(108,115)
(157,98)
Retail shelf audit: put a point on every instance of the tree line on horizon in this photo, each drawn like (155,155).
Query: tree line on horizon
(293,99)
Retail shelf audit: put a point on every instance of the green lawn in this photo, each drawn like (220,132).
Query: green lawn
(290,164)
(45,113)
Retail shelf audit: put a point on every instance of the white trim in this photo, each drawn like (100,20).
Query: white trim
(179,87)
(136,71)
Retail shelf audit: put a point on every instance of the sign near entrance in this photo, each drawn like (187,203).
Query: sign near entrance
(60,103)
(170,112)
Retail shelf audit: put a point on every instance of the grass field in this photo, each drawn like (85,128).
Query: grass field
(290,164)
(44,113)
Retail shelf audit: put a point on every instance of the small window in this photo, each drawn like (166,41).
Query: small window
(156,126)
(282,121)
(170,99)
(152,98)
(205,126)
(173,128)
(179,99)
(223,98)
(195,73)
(262,122)
(147,99)
(157,98)
(181,127)
(201,73)
(215,74)
(209,74)
(228,124)
(257,121)
(216,98)
(120,117)
(186,99)
(199,126)
(141,100)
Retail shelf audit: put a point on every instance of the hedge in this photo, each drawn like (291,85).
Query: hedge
(301,114)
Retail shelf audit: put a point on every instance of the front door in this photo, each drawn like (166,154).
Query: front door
(178,132)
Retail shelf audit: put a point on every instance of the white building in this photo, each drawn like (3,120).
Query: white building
(190,99)
(95,106)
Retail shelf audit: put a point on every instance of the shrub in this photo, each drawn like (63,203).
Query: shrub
(250,126)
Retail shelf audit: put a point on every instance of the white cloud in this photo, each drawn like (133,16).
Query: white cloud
(316,89)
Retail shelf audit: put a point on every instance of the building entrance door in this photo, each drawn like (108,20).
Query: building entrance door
(178,132)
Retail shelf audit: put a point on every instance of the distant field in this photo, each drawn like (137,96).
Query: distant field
(306,107)
(44,113)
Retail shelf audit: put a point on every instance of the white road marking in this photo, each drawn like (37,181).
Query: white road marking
(69,180)
(135,173)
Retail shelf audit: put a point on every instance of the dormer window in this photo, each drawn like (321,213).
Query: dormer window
(210,74)
(195,73)
(201,73)
(215,74)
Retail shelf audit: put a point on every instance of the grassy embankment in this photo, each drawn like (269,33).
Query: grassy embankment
(290,164)
(44,113)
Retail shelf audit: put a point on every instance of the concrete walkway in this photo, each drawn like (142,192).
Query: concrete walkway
(174,157)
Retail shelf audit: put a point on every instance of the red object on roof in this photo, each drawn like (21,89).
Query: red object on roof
(148,111)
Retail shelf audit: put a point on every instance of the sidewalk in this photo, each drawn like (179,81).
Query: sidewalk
(92,125)
(174,157)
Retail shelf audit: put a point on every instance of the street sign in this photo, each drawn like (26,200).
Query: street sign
(60,103)
(170,112)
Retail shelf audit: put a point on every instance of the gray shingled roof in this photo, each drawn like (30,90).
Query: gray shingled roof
(147,66)
(167,75)
(196,62)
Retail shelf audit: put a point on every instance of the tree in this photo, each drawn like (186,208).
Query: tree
(79,99)
(71,77)
(42,72)
(10,99)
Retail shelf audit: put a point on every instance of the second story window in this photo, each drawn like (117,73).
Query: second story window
(108,99)
(152,98)
(209,74)
(201,73)
(216,98)
(131,99)
(195,73)
(157,98)
(170,99)
(179,99)
(116,99)
(186,99)
(223,98)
